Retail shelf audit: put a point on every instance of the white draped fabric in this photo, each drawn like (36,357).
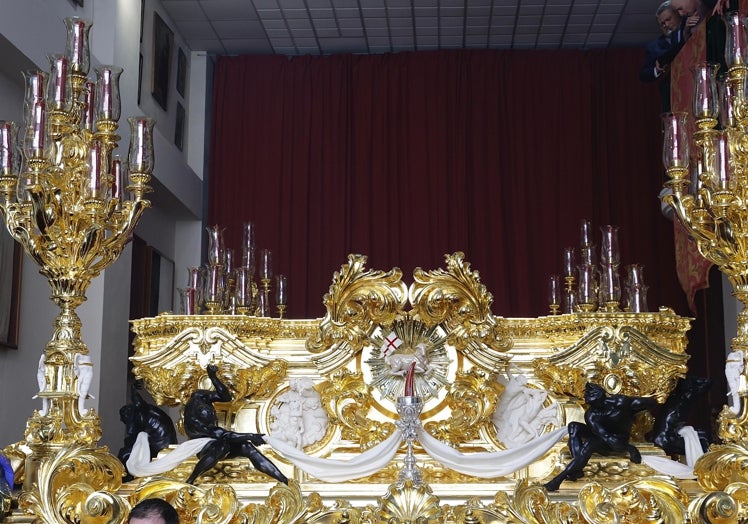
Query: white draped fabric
(485,465)
(678,469)
(139,464)
(482,465)
(490,464)
(331,470)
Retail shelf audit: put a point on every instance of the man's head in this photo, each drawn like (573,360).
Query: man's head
(667,18)
(685,8)
(153,511)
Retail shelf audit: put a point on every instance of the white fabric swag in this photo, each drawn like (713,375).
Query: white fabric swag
(482,464)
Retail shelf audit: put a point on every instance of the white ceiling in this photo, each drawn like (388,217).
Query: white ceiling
(296,27)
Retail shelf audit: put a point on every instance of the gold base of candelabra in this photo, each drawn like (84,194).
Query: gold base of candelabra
(610,307)
(213,308)
(244,310)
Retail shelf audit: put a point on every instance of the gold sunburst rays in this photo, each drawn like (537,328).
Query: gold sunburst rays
(388,375)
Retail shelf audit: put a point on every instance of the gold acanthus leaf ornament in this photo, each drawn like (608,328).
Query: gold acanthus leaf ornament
(220,504)
(347,400)
(161,383)
(531,504)
(722,466)
(727,506)
(358,300)
(653,499)
(255,381)
(68,481)
(560,380)
(456,299)
(472,399)
(620,359)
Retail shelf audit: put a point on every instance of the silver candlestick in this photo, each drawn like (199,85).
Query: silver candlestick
(409,409)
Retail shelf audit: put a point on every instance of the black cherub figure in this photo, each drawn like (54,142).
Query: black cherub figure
(139,416)
(201,420)
(607,428)
(673,415)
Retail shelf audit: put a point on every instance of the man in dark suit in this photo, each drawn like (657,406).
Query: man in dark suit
(661,51)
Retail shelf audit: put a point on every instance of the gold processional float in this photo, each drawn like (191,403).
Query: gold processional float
(339,383)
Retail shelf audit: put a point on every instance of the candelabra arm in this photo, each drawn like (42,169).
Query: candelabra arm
(111,247)
(683,206)
(46,207)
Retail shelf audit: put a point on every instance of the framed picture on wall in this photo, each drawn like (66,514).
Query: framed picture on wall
(142,18)
(140,75)
(11,258)
(181,72)
(179,127)
(163,44)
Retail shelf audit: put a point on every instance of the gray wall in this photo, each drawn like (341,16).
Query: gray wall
(34,28)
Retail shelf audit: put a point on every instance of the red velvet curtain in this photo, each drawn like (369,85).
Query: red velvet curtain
(406,157)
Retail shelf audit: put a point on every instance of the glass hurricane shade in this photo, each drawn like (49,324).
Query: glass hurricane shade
(141,159)
(705,100)
(107,104)
(736,50)
(59,88)
(9,159)
(77,48)
(675,149)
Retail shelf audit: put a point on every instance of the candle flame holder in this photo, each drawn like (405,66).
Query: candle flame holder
(70,220)
(708,188)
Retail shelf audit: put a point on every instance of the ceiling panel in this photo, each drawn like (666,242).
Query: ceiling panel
(291,27)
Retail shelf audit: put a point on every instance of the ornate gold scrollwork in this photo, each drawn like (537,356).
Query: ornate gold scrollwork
(68,479)
(624,352)
(347,398)
(472,399)
(458,300)
(358,301)
(649,500)
(722,466)
(620,359)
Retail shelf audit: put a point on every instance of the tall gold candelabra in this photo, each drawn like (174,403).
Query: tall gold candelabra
(709,192)
(63,199)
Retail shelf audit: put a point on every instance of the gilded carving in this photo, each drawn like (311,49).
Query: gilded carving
(723,465)
(471,399)
(457,347)
(357,302)
(409,341)
(408,502)
(347,399)
(67,479)
(621,360)
(456,299)
(648,500)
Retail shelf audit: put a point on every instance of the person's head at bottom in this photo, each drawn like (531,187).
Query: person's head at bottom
(153,511)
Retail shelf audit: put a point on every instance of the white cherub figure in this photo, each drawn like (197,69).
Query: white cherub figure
(734,366)
(41,379)
(83,369)
(520,415)
(299,418)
